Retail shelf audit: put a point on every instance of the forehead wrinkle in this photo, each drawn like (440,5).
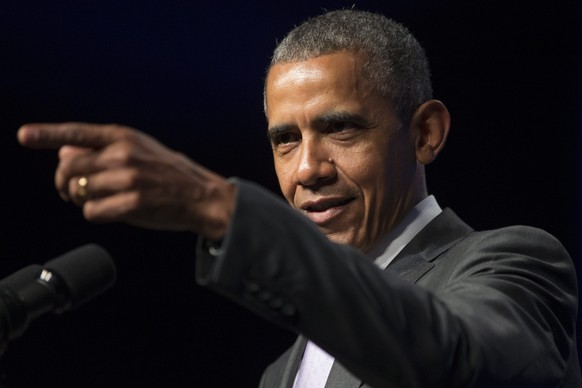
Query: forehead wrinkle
(300,73)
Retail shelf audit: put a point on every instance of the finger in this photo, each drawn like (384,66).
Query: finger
(132,208)
(78,191)
(104,184)
(45,135)
(77,161)
(74,165)
(115,208)
(68,151)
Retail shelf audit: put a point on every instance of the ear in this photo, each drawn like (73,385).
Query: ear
(430,126)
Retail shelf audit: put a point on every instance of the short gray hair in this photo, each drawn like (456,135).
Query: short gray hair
(395,63)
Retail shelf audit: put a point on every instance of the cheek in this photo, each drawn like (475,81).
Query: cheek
(284,175)
(365,168)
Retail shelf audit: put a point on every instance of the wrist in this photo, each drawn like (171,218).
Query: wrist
(220,210)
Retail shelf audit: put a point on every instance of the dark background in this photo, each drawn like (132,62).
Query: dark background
(190,73)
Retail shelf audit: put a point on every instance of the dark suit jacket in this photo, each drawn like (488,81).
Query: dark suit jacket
(456,308)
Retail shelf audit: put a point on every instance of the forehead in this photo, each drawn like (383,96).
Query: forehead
(330,78)
(338,63)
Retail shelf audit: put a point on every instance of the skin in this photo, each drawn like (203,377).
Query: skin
(342,155)
(134,179)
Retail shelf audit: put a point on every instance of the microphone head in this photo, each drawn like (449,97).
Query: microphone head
(86,272)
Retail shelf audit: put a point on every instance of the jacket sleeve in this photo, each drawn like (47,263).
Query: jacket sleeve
(503,316)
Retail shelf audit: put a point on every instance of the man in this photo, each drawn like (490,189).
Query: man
(389,289)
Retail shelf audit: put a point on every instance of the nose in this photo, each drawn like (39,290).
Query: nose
(315,166)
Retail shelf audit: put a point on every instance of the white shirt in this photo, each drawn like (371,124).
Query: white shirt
(316,363)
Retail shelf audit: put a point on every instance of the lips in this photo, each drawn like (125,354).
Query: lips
(324,210)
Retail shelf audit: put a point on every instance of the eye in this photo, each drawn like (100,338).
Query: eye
(343,130)
(284,140)
(340,126)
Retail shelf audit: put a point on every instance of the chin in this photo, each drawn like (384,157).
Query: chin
(347,239)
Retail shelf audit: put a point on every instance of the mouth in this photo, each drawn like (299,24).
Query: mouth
(324,210)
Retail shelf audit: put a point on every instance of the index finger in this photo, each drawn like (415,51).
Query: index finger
(52,136)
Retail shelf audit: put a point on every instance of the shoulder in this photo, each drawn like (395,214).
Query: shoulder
(516,244)
(518,235)
(514,258)
(516,241)
(522,254)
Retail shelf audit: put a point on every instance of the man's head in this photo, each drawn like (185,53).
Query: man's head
(394,62)
(345,153)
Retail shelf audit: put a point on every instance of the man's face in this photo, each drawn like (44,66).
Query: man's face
(341,154)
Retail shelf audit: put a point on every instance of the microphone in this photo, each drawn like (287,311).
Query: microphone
(61,284)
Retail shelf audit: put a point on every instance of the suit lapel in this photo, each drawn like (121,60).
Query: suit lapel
(419,255)
(293,362)
(339,377)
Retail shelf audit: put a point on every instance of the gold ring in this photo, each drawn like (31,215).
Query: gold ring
(83,192)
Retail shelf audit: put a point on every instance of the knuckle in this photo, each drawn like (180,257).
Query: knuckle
(135,201)
(133,178)
(62,180)
(91,213)
(69,185)
(65,165)
(88,212)
(127,179)
(123,133)
(58,179)
(123,153)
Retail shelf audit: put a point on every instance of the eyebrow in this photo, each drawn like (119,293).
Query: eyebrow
(323,119)
(340,116)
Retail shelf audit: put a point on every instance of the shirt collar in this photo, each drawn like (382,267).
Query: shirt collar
(416,219)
